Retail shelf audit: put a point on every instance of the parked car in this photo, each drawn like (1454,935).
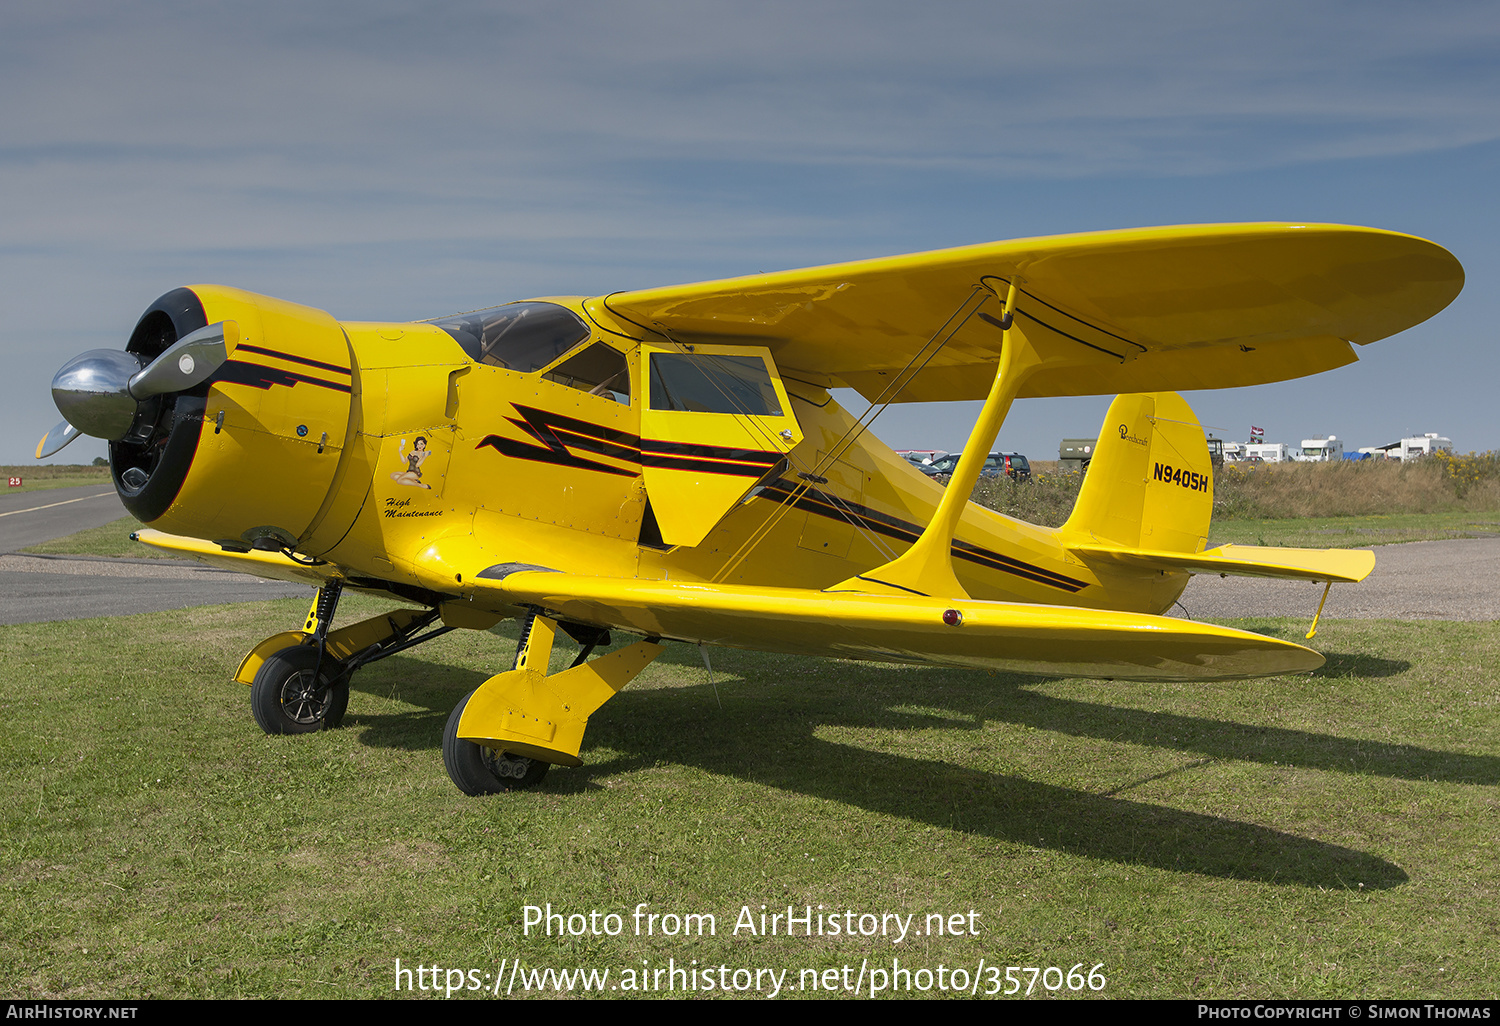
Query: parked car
(1017,467)
(1012,464)
(921,457)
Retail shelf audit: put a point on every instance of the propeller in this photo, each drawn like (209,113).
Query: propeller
(101,392)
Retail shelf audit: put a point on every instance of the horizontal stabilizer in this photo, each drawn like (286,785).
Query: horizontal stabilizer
(1035,639)
(1344,566)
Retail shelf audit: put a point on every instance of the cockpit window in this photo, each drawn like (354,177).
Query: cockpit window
(712,384)
(597,370)
(520,336)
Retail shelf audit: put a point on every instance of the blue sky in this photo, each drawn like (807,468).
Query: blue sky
(385,160)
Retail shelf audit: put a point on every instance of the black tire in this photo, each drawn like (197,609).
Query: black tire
(286,700)
(478,769)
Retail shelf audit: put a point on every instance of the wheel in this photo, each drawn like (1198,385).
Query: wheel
(287,700)
(478,769)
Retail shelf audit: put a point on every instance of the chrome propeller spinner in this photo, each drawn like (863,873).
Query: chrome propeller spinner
(100,393)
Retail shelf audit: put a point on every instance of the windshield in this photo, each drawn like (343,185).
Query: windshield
(519,336)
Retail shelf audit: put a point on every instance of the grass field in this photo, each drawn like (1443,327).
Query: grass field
(1331,835)
(1306,505)
(38,477)
(1353,532)
(111,539)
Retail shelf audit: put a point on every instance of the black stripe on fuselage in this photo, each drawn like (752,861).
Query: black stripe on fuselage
(707,459)
(559,434)
(559,456)
(561,438)
(724,467)
(834,508)
(246,348)
(256,375)
(657,446)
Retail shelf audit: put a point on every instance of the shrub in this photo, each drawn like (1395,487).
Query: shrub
(1356,488)
(1468,473)
(1045,500)
(1275,491)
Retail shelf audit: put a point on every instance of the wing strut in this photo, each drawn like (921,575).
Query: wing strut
(1314,628)
(927,567)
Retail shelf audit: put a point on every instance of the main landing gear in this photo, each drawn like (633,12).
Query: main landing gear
(503,736)
(299,680)
(297,693)
(482,769)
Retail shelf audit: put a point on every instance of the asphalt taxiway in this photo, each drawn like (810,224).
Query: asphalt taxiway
(34,589)
(1433,580)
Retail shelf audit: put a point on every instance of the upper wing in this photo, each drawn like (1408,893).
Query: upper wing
(1153,309)
(1053,640)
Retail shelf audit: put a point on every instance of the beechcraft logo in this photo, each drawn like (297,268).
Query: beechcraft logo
(1126,436)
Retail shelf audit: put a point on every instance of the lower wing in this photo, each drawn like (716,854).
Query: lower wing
(1037,639)
(272,565)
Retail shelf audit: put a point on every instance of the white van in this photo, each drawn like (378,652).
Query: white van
(1269,452)
(1321,450)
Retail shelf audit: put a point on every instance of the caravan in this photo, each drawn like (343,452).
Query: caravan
(1425,445)
(1321,450)
(1268,452)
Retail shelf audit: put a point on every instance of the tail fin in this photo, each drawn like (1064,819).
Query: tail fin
(1149,496)
(1150,484)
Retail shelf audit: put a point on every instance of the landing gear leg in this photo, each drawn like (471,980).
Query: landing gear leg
(526,718)
(301,688)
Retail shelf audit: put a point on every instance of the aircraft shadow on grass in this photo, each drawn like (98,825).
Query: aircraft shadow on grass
(781,749)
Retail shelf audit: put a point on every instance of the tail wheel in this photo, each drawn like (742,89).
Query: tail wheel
(293,695)
(478,769)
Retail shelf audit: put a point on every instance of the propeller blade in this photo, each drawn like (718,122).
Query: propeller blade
(186,363)
(56,439)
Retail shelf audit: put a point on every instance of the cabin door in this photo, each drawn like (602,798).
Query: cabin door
(714,421)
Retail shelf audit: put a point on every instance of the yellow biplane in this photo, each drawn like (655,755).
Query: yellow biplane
(669,464)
